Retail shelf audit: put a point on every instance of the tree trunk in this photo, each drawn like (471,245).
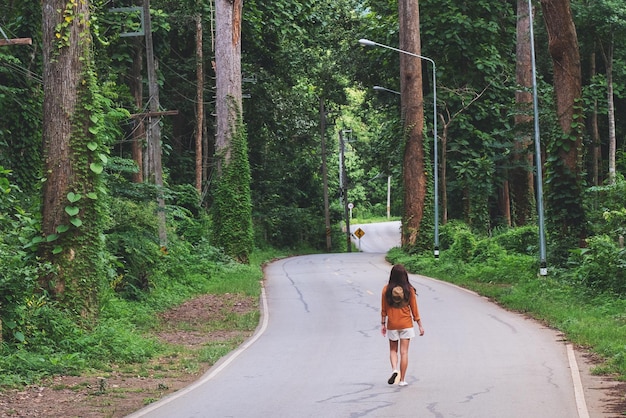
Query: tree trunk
(412,98)
(200,103)
(62,74)
(595,130)
(563,46)
(521,176)
(565,194)
(228,73)
(608,63)
(71,212)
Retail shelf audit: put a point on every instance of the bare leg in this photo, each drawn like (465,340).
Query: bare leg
(393,354)
(404,357)
(393,357)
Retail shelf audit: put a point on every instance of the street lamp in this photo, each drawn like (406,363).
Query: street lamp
(543,269)
(367,42)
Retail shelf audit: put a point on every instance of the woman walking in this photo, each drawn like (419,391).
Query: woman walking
(398,311)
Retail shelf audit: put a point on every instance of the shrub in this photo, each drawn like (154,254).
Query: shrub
(19,269)
(602,265)
(449,231)
(132,241)
(464,245)
(521,240)
(487,250)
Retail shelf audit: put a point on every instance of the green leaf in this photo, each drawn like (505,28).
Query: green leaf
(51,237)
(72,210)
(19,336)
(92,146)
(57,250)
(76,222)
(103,158)
(92,195)
(72,197)
(96,168)
(62,228)
(93,130)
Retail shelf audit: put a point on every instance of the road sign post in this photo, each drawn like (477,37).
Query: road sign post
(359,234)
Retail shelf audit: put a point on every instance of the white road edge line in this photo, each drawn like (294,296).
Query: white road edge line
(216,369)
(581,404)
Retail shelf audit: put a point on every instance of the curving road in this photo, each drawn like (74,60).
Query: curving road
(378,237)
(319,353)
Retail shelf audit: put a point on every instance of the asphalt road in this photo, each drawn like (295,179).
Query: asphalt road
(319,353)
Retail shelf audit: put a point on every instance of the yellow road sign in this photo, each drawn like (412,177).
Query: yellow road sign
(359,233)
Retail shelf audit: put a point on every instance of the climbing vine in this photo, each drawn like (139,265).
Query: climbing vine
(232,207)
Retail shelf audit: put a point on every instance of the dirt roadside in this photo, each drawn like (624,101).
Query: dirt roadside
(126,389)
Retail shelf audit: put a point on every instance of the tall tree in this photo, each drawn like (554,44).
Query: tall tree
(564,170)
(412,97)
(74,157)
(232,211)
(200,102)
(477,36)
(227,72)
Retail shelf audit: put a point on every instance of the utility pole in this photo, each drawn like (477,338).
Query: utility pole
(325,174)
(153,131)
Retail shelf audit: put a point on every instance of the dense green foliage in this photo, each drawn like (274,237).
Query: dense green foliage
(298,55)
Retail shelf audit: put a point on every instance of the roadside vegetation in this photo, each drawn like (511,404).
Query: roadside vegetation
(585,300)
(41,338)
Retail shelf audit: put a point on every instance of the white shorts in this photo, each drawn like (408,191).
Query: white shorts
(400,334)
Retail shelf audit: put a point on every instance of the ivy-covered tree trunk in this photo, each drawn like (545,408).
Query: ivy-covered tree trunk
(412,97)
(232,207)
(232,204)
(564,180)
(74,158)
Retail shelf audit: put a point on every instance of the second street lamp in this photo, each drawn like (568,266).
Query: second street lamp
(367,42)
(379,88)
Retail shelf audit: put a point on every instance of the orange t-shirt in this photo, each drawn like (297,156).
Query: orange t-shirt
(400,318)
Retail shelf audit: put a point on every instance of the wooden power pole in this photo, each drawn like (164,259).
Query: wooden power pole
(153,130)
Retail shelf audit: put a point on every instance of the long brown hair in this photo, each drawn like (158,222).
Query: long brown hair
(398,277)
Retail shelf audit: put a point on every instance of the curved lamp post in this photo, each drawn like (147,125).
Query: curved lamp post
(543,269)
(367,42)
